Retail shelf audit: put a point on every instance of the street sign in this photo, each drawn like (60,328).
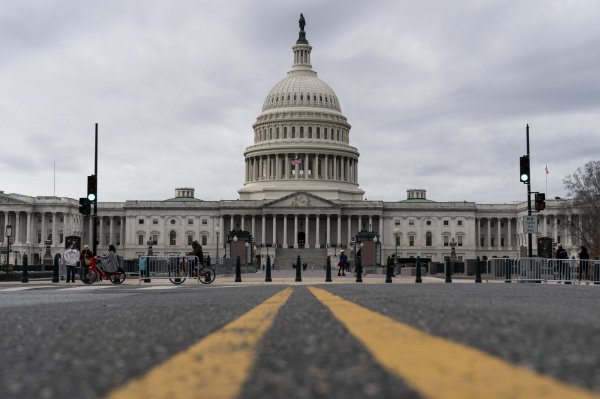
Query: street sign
(530,224)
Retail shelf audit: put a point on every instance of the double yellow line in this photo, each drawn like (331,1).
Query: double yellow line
(219,365)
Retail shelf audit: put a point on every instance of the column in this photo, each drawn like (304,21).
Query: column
(509,234)
(317,243)
(295,231)
(285,231)
(489,233)
(349,227)
(287,166)
(380,227)
(242,222)
(231,222)
(29,229)
(335,167)
(277,167)
(274,241)
(328,242)
(499,243)
(54,237)
(17,228)
(253,225)
(263,238)
(370,223)
(306,230)
(316,167)
(339,228)
(359,223)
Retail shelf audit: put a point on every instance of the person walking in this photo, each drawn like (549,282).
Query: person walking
(343,260)
(71,260)
(583,263)
(563,265)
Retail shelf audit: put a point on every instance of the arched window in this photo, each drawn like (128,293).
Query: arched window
(428,239)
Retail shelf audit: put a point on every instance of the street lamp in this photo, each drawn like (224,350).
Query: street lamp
(8,235)
(396,232)
(453,250)
(217,231)
(248,256)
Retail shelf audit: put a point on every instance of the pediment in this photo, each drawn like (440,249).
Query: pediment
(301,200)
(8,199)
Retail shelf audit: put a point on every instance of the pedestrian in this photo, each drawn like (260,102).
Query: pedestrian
(110,261)
(583,263)
(343,260)
(71,260)
(562,263)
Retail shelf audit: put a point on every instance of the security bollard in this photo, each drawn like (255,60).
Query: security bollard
(359,270)
(298,269)
(55,268)
(268,271)
(388,272)
(478,270)
(25,277)
(328,270)
(448,271)
(238,270)
(418,279)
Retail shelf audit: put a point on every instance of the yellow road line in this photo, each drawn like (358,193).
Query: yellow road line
(216,367)
(438,368)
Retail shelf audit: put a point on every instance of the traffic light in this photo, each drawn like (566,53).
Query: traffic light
(84,206)
(524,176)
(92,187)
(540,201)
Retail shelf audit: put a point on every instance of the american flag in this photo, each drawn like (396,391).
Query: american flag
(547,169)
(297,161)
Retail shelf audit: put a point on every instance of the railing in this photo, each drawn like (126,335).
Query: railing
(543,270)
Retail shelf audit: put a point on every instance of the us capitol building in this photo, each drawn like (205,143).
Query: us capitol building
(301,195)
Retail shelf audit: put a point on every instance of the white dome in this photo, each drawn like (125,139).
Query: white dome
(301,89)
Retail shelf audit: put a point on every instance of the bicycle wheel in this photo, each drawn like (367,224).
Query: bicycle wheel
(118,278)
(207,275)
(177,275)
(90,277)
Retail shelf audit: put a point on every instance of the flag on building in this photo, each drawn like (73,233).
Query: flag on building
(546,168)
(297,161)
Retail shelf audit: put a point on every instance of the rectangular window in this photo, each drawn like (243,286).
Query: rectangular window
(204,239)
(293,132)
(445,223)
(140,221)
(154,221)
(204,221)
(460,222)
(140,239)
(482,242)
(325,134)
(411,241)
(190,221)
(411,222)
(61,237)
(301,132)
(446,241)
(190,239)
(277,133)
(310,132)
(460,241)
(501,241)
(318,132)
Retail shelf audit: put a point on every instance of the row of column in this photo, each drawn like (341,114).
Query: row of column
(313,166)
(113,238)
(239,222)
(24,225)
(497,234)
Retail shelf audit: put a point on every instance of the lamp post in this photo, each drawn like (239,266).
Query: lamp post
(8,235)
(396,232)
(217,231)
(375,242)
(248,256)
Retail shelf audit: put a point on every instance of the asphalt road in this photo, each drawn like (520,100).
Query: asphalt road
(86,342)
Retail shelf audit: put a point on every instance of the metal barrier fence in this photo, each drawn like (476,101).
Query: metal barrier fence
(543,270)
(168,267)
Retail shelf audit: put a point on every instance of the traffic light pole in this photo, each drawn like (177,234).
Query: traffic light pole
(529,237)
(95,216)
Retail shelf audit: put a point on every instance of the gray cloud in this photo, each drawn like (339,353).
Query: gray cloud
(438,93)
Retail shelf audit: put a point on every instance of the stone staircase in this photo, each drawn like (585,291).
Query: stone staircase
(315,258)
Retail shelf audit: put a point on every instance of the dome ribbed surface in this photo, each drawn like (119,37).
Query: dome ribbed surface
(301,90)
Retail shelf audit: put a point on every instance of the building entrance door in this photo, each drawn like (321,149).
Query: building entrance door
(301,239)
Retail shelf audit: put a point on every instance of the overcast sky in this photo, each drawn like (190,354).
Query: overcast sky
(438,93)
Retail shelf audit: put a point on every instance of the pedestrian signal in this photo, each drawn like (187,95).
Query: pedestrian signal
(540,201)
(84,206)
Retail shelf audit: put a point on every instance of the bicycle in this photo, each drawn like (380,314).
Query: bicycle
(187,268)
(93,273)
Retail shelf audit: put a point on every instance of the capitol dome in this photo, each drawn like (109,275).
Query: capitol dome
(301,139)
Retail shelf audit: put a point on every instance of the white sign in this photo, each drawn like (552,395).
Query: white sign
(530,224)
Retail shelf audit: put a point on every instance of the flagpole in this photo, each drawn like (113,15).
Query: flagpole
(546,179)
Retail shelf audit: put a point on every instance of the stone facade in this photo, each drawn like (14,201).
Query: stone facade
(300,190)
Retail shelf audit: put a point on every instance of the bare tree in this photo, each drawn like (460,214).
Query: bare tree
(584,187)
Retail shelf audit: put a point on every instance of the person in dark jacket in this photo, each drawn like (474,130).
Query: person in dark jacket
(564,269)
(583,263)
